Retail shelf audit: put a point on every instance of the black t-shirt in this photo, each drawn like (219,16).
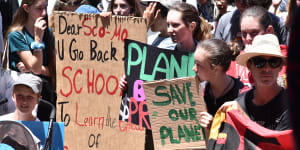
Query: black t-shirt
(213,104)
(273,115)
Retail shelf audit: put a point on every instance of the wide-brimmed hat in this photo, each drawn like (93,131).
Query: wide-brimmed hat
(166,3)
(262,45)
(32,81)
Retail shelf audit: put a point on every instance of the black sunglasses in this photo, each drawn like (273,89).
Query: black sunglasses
(260,62)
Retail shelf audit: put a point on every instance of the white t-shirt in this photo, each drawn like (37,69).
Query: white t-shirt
(10,117)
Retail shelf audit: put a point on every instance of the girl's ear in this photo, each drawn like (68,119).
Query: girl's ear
(218,68)
(26,7)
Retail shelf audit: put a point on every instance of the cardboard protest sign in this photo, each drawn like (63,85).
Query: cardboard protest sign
(174,109)
(90,51)
(147,63)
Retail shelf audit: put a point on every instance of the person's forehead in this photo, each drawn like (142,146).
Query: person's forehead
(250,23)
(121,2)
(21,88)
(174,16)
(201,54)
(249,20)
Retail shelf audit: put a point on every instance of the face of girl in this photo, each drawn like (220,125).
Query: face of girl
(37,9)
(121,7)
(250,28)
(177,29)
(202,67)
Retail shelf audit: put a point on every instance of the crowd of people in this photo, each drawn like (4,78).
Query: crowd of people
(220,33)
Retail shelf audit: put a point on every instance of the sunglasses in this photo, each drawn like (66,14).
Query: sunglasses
(260,62)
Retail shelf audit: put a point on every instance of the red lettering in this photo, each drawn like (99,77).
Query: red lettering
(129,126)
(90,84)
(116,33)
(142,115)
(85,26)
(64,75)
(86,121)
(90,120)
(103,83)
(101,32)
(74,81)
(124,35)
(116,87)
(76,115)
(120,126)
(131,112)
(93,31)
(66,147)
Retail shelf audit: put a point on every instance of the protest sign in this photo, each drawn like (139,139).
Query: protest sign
(174,108)
(89,63)
(147,63)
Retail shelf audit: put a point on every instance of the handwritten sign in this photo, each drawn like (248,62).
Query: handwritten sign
(174,109)
(147,63)
(90,51)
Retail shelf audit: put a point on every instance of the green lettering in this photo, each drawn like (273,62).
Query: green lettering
(182,94)
(181,72)
(174,95)
(190,94)
(184,116)
(164,133)
(144,76)
(163,94)
(173,112)
(198,133)
(166,70)
(172,140)
(193,114)
(191,64)
(181,133)
(132,46)
(190,133)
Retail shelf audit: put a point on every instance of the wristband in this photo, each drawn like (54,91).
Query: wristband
(37,46)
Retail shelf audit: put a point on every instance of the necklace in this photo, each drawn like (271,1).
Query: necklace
(223,92)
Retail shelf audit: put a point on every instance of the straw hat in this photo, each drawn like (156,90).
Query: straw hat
(262,45)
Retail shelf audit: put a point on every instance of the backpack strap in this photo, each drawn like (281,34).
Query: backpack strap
(5,57)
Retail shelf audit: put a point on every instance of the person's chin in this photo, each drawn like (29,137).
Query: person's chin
(25,109)
(267,82)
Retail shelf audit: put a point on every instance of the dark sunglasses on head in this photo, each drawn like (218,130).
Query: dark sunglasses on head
(260,62)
